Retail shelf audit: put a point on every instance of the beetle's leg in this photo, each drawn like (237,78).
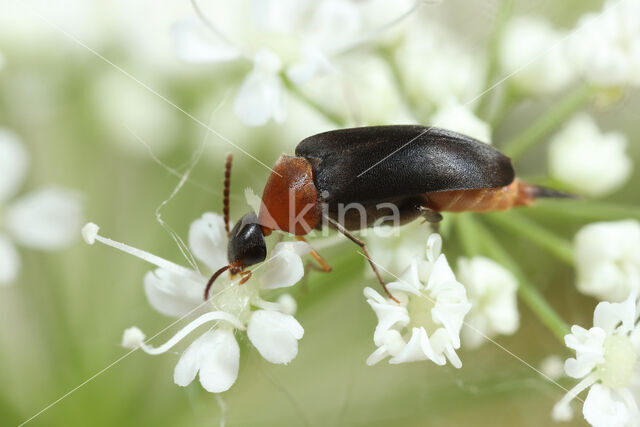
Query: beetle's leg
(246,275)
(360,243)
(429,214)
(323,264)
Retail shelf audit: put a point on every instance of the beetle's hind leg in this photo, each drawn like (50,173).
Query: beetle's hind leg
(360,243)
(430,215)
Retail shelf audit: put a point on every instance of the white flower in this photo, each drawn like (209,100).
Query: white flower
(45,219)
(460,118)
(607,255)
(395,247)
(178,291)
(607,362)
(605,48)
(552,366)
(426,323)
(436,68)
(491,289)
(589,161)
(533,54)
(365,90)
(294,37)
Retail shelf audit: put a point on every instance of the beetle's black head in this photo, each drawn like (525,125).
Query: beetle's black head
(246,242)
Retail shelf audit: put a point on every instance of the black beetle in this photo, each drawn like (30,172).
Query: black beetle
(421,171)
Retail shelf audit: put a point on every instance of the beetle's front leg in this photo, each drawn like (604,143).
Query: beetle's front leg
(246,275)
(324,266)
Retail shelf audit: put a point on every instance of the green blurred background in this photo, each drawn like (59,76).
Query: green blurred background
(62,321)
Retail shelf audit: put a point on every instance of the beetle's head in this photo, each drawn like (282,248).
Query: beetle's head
(246,245)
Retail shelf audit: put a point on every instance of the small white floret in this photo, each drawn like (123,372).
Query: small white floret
(90,232)
(132,338)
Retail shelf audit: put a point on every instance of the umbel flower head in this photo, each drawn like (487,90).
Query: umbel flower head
(426,324)
(178,291)
(45,219)
(295,38)
(607,257)
(591,162)
(606,46)
(491,288)
(607,363)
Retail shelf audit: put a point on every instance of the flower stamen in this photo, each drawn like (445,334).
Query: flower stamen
(90,235)
(134,338)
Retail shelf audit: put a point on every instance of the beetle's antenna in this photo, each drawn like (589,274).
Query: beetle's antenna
(227,186)
(213,279)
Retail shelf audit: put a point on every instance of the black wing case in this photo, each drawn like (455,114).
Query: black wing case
(373,164)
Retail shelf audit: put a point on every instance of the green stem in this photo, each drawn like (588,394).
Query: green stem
(545,239)
(409,102)
(508,99)
(548,122)
(294,89)
(467,234)
(504,13)
(526,290)
(583,210)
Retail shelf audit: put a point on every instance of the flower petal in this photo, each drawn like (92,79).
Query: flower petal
(418,348)
(208,240)
(219,360)
(197,44)
(9,261)
(275,335)
(171,294)
(46,219)
(377,356)
(285,267)
(187,367)
(389,314)
(619,317)
(14,164)
(261,96)
(602,409)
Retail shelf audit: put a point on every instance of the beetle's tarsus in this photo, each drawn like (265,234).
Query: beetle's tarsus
(430,215)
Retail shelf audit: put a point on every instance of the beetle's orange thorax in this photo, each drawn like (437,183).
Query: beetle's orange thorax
(290,198)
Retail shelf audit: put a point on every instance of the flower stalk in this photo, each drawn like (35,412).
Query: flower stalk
(295,90)
(526,290)
(545,239)
(548,122)
(505,11)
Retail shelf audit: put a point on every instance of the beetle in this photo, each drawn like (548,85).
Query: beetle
(420,171)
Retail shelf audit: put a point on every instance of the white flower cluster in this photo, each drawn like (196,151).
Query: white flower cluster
(607,363)
(45,219)
(426,323)
(532,55)
(605,49)
(588,161)
(607,258)
(292,38)
(492,289)
(178,291)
